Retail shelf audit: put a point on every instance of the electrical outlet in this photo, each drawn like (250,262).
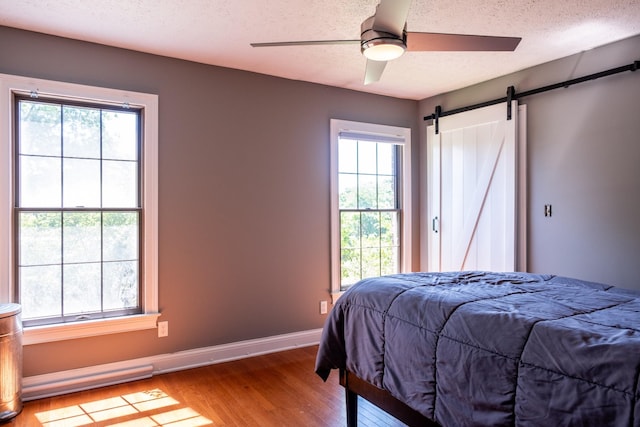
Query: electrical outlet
(163,329)
(323,307)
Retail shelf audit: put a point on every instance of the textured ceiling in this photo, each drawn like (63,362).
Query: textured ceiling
(219,32)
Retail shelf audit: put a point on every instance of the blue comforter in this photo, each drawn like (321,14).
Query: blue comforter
(492,349)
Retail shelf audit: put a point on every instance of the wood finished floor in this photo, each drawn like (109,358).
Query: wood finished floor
(279,389)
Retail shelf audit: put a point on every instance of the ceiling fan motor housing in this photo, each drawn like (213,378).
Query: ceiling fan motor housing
(374,39)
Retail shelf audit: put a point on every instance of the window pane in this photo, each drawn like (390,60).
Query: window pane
(367,162)
(120,236)
(386,192)
(370,262)
(40,238)
(81,183)
(367,192)
(386,159)
(120,285)
(81,132)
(120,184)
(348,191)
(40,129)
(40,182)
(82,241)
(389,261)
(350,229)
(82,288)
(348,156)
(40,294)
(370,229)
(350,266)
(120,135)
(389,229)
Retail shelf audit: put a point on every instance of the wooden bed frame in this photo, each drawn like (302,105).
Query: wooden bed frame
(355,387)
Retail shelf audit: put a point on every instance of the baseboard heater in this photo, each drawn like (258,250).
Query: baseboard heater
(70,381)
(48,385)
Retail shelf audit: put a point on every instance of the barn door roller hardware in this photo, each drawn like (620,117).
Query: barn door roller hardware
(512,95)
(436,116)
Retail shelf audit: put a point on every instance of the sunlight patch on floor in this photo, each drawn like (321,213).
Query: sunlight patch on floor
(128,406)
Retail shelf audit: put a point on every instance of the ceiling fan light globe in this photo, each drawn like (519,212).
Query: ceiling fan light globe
(383,50)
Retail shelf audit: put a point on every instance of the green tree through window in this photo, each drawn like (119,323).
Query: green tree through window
(368,209)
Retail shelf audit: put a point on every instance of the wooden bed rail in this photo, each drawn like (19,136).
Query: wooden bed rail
(355,387)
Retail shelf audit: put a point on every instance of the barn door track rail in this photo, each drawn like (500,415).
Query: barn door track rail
(512,95)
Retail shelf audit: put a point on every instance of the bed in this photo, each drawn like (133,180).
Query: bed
(487,349)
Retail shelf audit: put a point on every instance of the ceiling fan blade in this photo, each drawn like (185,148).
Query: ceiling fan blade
(373,71)
(459,42)
(391,16)
(304,43)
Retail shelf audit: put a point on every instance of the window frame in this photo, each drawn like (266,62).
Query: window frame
(148,103)
(382,132)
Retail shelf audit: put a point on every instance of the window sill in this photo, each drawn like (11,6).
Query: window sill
(88,328)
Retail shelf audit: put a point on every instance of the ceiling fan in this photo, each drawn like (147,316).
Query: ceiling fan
(384,37)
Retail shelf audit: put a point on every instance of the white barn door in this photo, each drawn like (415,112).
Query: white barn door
(472,184)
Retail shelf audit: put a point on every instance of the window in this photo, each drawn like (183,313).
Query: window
(77,210)
(81,223)
(370,201)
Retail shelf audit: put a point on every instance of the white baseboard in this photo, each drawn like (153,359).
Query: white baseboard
(56,383)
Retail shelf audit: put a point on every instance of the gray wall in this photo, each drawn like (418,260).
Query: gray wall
(243,193)
(583,158)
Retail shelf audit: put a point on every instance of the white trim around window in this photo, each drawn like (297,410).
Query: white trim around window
(378,132)
(149,293)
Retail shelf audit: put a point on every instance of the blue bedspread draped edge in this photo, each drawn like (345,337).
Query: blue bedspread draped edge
(482,348)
